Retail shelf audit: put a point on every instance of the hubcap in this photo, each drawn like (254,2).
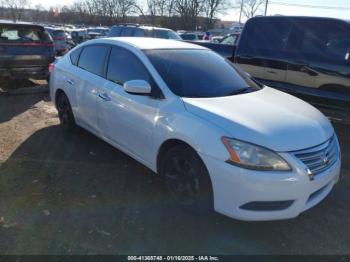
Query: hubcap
(181,180)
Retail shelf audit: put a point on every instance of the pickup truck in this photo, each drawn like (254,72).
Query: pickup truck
(308,57)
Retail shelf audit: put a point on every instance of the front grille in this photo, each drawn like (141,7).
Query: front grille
(320,158)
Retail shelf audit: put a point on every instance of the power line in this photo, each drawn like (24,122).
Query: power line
(311,6)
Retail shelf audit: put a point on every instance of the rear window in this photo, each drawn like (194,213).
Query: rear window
(16,33)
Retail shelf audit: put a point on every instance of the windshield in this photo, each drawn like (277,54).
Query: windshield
(167,34)
(199,73)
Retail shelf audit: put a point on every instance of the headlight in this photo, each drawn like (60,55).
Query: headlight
(252,156)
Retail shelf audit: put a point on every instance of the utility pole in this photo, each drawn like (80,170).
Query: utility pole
(240,13)
(266,3)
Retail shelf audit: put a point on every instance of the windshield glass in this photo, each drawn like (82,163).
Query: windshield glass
(199,73)
(167,34)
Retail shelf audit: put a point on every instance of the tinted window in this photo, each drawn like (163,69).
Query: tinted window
(115,31)
(265,37)
(92,59)
(74,56)
(18,33)
(127,31)
(322,41)
(124,66)
(167,34)
(199,73)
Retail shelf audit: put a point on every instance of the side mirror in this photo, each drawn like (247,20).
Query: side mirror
(137,87)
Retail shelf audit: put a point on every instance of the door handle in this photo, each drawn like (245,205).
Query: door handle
(71,82)
(104,97)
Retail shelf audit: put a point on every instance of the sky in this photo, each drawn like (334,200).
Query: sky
(328,8)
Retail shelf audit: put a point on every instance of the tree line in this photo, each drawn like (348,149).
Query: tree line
(175,14)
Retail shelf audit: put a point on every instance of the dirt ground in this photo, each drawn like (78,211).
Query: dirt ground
(74,194)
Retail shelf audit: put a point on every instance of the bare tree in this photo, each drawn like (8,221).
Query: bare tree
(212,8)
(16,8)
(188,10)
(251,7)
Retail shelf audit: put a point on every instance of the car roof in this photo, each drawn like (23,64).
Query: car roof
(9,23)
(148,27)
(307,18)
(151,43)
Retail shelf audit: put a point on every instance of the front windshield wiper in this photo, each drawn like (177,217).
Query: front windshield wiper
(242,91)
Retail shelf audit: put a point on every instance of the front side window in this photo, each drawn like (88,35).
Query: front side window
(92,59)
(199,73)
(124,66)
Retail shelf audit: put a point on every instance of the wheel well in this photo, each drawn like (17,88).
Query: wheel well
(58,92)
(166,146)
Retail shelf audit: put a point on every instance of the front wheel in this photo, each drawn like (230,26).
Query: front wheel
(187,179)
(65,113)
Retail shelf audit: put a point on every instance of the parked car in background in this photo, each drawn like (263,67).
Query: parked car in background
(102,31)
(26,50)
(192,36)
(306,56)
(59,39)
(230,39)
(79,35)
(218,139)
(142,31)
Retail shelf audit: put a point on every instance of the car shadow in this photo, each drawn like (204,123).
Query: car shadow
(12,105)
(72,193)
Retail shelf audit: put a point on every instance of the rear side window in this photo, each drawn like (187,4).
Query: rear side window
(124,66)
(74,56)
(92,59)
(18,33)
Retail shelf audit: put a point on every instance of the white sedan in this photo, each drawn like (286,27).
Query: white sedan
(220,140)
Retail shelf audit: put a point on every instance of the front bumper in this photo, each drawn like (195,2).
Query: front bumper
(233,187)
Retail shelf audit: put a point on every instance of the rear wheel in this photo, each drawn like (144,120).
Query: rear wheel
(187,179)
(65,113)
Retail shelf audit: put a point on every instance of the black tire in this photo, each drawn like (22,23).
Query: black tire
(187,180)
(65,113)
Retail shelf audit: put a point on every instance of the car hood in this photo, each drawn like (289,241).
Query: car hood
(267,117)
